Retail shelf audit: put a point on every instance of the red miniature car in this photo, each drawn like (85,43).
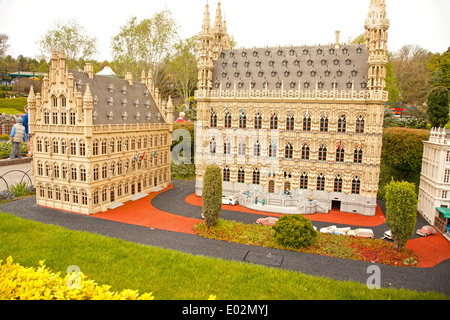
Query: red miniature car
(269,221)
(426,231)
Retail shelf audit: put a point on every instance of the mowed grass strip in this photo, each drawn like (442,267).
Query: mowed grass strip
(169,274)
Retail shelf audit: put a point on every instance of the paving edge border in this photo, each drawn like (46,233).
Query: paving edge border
(8,162)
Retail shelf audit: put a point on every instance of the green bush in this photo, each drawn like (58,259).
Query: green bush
(401,207)
(212,195)
(294,231)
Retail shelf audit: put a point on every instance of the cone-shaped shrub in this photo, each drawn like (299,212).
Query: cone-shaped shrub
(212,195)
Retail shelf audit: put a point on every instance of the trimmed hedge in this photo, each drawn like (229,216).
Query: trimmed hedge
(212,195)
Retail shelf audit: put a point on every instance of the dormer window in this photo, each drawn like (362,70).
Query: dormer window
(147,104)
(292,52)
(267,53)
(273,73)
(299,73)
(111,88)
(235,64)
(246,63)
(334,84)
(111,101)
(348,61)
(240,84)
(224,74)
(146,93)
(94,115)
(319,51)
(266,84)
(339,73)
(95,100)
(110,115)
(255,53)
(258,63)
(228,84)
(124,89)
(124,102)
(292,84)
(224,64)
(280,52)
(125,115)
(313,73)
(217,84)
(138,115)
(354,73)
(286,73)
(244,53)
(305,52)
(278,84)
(324,62)
(327,73)
(310,62)
(336,61)
(236,74)
(248,74)
(158,116)
(349,84)
(344,50)
(306,84)
(80,85)
(136,103)
(260,73)
(296,62)
(149,116)
(222,55)
(358,50)
(331,51)
(271,63)
(253,84)
(320,84)
(363,85)
(231,54)
(285,63)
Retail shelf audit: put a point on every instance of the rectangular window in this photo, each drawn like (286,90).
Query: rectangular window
(447,175)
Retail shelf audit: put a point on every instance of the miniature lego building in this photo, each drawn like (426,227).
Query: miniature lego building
(297,128)
(434,190)
(97,141)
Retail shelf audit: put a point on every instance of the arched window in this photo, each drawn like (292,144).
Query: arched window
(338,184)
(290,121)
(213,120)
(356,185)
(324,123)
(212,146)
(227,147)
(227,123)
(241,148)
(274,122)
(320,182)
(322,153)
(273,150)
(256,149)
(360,124)
(271,188)
(342,123)
(304,181)
(256,176)
(288,151)
(340,153)
(241,175)
(305,152)
(242,121)
(357,155)
(226,174)
(258,121)
(307,123)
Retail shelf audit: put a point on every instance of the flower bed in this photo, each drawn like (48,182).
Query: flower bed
(372,250)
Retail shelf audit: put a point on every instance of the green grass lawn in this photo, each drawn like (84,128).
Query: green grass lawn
(169,274)
(12,106)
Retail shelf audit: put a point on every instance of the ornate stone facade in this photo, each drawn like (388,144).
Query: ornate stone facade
(292,124)
(97,141)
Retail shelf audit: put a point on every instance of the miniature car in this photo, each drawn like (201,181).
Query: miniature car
(231,200)
(269,221)
(341,231)
(387,235)
(328,229)
(361,233)
(426,231)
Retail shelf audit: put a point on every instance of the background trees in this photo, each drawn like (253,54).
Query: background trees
(71,36)
(437,110)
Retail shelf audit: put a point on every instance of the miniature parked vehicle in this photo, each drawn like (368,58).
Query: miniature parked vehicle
(341,231)
(387,235)
(231,200)
(426,231)
(361,233)
(328,229)
(269,221)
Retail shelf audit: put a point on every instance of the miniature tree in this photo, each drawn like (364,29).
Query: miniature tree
(401,207)
(212,195)
(437,110)
(294,231)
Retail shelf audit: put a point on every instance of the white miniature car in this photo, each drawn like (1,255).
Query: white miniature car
(387,235)
(342,231)
(361,233)
(328,229)
(231,200)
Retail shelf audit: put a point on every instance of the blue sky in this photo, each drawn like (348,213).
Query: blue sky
(253,23)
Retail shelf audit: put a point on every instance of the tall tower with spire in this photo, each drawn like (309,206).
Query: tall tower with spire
(211,43)
(376,37)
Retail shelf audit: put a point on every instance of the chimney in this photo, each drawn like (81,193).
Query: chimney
(337,41)
(89,69)
(129,78)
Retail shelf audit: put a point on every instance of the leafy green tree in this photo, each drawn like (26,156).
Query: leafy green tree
(439,65)
(401,207)
(437,110)
(73,38)
(141,45)
(212,195)
(182,66)
(3,45)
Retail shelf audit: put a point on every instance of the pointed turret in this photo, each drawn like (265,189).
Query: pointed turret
(376,37)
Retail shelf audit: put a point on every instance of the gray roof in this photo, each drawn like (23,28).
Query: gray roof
(118,96)
(289,67)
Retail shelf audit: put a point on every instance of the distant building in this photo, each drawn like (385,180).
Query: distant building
(289,123)
(434,190)
(97,141)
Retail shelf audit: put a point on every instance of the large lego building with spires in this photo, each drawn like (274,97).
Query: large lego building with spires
(297,128)
(97,141)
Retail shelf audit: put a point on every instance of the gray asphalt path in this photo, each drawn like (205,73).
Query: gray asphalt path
(420,279)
